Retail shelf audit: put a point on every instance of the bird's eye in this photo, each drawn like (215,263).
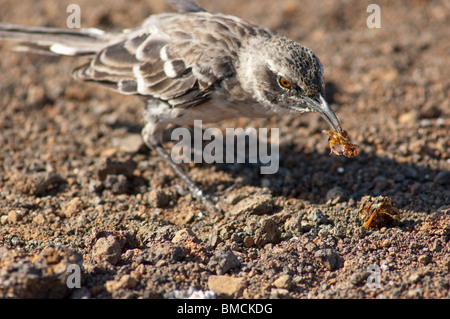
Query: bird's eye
(285,83)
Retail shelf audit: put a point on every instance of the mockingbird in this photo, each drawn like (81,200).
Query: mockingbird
(193,65)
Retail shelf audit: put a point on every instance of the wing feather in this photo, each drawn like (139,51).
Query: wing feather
(177,58)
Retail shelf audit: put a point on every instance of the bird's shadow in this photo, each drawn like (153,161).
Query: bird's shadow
(311,176)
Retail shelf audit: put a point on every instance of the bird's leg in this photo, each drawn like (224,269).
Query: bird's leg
(196,191)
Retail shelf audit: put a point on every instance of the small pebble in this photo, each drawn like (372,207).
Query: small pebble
(284,282)
(226,286)
(107,249)
(424,259)
(125,282)
(14,217)
(257,205)
(317,217)
(329,257)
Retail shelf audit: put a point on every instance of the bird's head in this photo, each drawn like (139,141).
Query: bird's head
(284,75)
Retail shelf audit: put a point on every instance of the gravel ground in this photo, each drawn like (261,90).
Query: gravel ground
(78,187)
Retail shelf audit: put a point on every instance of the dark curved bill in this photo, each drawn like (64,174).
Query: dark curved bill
(325,111)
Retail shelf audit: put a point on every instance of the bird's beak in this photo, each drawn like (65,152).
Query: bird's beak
(325,111)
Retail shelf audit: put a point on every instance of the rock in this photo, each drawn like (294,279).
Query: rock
(359,278)
(118,184)
(415,293)
(316,216)
(161,251)
(184,235)
(329,258)
(39,219)
(447,264)
(224,260)
(38,184)
(279,293)
(258,205)
(442,178)
(311,247)
(158,198)
(294,224)
(171,253)
(249,241)
(116,168)
(163,233)
(437,246)
(235,198)
(131,143)
(226,286)
(191,244)
(14,217)
(408,117)
(415,277)
(424,259)
(430,112)
(95,186)
(125,282)
(267,233)
(108,246)
(36,96)
(32,276)
(122,185)
(107,249)
(360,232)
(283,282)
(336,195)
(72,207)
(214,238)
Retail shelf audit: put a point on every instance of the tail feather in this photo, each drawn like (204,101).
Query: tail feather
(56,40)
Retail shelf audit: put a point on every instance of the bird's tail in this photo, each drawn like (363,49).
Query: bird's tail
(54,40)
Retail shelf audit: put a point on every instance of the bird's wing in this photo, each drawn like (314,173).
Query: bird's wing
(177,58)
